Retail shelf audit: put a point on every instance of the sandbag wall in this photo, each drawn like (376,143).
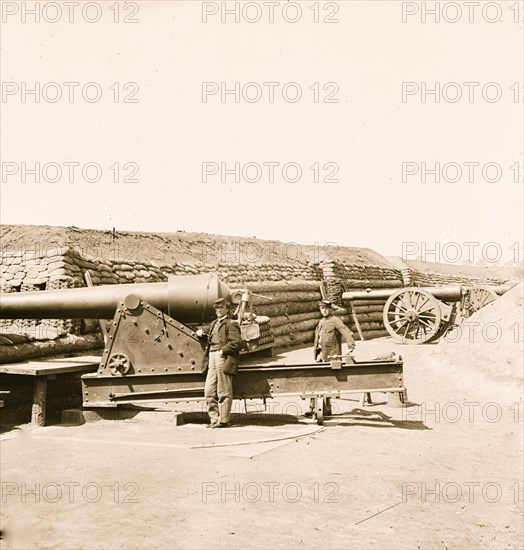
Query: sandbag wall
(292,307)
(370,318)
(31,272)
(420,278)
(294,287)
(236,275)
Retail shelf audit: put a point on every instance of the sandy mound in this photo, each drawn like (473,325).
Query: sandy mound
(512,271)
(179,246)
(488,348)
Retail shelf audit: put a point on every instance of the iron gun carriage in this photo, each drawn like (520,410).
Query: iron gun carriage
(152,352)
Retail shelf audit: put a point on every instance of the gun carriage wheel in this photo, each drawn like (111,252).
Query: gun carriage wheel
(413,316)
(476,298)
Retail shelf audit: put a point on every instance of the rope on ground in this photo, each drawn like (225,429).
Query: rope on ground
(253,442)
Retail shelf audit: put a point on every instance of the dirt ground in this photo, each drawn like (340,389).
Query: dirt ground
(444,473)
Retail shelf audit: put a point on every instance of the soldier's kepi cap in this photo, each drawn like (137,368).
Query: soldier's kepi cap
(220,302)
(326,303)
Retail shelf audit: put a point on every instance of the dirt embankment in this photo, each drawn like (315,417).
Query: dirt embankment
(511,271)
(488,348)
(206,248)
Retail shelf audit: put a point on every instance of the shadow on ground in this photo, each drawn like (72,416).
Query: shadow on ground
(245,419)
(373,419)
(356,417)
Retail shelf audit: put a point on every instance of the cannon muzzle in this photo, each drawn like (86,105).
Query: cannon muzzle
(188,298)
(451,293)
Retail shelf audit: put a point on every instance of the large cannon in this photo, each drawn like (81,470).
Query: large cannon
(189,298)
(417,315)
(152,352)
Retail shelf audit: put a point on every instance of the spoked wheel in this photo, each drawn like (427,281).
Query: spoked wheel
(119,364)
(479,296)
(321,410)
(412,316)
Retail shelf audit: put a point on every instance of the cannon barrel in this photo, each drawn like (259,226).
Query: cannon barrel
(451,293)
(187,298)
(497,289)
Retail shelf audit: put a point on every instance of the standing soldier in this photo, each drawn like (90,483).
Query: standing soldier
(329,334)
(222,347)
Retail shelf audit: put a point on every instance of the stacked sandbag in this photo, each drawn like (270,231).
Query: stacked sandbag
(406,276)
(294,287)
(241,273)
(23,268)
(405,271)
(64,268)
(334,289)
(293,309)
(370,317)
(64,271)
(21,347)
(231,273)
(420,278)
(358,273)
(32,271)
(370,312)
(21,272)
(182,268)
(61,327)
(8,325)
(132,271)
(330,269)
(104,274)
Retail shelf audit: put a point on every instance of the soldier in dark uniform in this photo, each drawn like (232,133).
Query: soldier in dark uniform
(329,334)
(222,347)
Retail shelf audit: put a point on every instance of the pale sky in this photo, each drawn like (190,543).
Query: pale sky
(170,132)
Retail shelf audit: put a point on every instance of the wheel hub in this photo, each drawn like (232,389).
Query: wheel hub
(411,315)
(119,363)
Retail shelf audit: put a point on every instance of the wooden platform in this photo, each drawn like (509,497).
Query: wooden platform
(42,371)
(52,366)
